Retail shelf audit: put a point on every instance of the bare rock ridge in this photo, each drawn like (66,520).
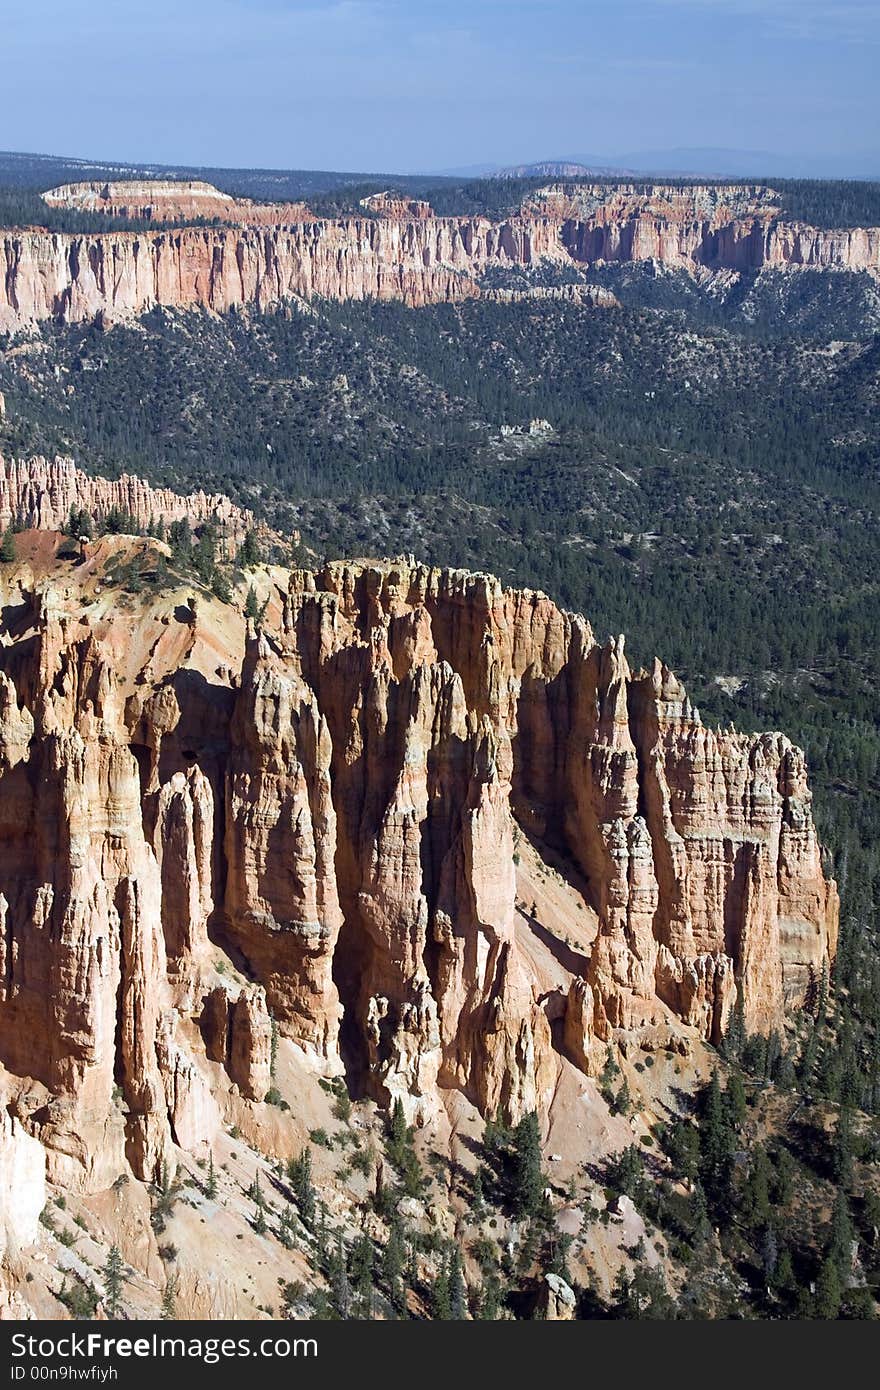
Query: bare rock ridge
(41,493)
(275,253)
(357,805)
(166,200)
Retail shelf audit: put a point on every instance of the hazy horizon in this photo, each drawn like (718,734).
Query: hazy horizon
(380,86)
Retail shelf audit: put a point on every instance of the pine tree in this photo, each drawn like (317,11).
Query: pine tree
(528,1177)
(841,1240)
(441,1306)
(735,1101)
(249,551)
(204,557)
(490,1299)
(300,1174)
(457,1291)
(842,1152)
(7,547)
(756,1194)
(285,1227)
(252,608)
(211,1182)
(735,1037)
(339,1285)
(478,1198)
(169,1299)
(259,1222)
(716,1144)
(622,1102)
(113,1281)
(397,1127)
(362,1273)
(769,1253)
(394,1253)
(783,1278)
(828,1295)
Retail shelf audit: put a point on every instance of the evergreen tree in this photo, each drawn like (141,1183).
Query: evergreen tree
(769,1253)
(300,1174)
(457,1291)
(252,608)
(362,1273)
(842,1151)
(394,1254)
(841,1239)
(828,1295)
(7,547)
(441,1305)
(169,1299)
(528,1178)
(735,1037)
(756,1192)
(783,1278)
(249,551)
(205,554)
(490,1299)
(622,1103)
(478,1200)
(735,1101)
(285,1227)
(397,1127)
(339,1285)
(113,1281)
(211,1181)
(716,1145)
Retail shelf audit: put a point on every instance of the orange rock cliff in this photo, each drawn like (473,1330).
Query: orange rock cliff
(277,253)
(41,493)
(358,804)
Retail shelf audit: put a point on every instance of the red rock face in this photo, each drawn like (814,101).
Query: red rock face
(41,493)
(273,255)
(340,819)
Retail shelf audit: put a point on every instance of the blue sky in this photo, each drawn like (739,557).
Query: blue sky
(425,85)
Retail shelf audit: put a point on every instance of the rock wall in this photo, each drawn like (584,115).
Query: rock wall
(340,819)
(164,200)
(40,493)
(405,253)
(57,275)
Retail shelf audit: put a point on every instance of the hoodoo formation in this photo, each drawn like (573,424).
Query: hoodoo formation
(273,253)
(357,804)
(42,493)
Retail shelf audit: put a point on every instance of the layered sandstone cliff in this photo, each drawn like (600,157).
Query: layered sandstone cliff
(355,805)
(163,200)
(41,493)
(407,254)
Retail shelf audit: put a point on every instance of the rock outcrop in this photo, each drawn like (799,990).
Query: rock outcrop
(166,200)
(22,1185)
(275,253)
(397,207)
(333,805)
(41,493)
